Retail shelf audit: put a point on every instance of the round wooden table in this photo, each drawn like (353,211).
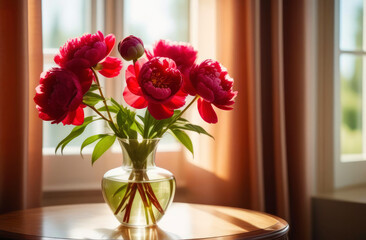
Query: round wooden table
(182,221)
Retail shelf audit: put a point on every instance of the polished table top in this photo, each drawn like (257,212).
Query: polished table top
(182,221)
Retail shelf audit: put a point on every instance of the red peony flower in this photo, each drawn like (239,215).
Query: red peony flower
(155,84)
(183,55)
(131,48)
(85,77)
(87,51)
(59,96)
(211,81)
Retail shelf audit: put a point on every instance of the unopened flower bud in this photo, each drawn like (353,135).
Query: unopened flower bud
(131,48)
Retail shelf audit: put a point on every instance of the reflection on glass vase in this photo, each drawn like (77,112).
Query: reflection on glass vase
(138,192)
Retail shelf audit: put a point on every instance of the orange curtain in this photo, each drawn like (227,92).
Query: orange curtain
(258,159)
(21,63)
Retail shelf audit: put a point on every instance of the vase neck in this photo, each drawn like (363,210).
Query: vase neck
(138,154)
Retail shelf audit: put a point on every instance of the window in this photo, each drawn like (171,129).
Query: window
(64,19)
(350,55)
(350,69)
(341,95)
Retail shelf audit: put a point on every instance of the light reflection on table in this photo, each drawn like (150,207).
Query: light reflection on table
(182,221)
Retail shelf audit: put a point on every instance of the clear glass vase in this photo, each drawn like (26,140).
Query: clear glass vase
(138,192)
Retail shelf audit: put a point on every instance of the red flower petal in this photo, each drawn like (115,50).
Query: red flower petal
(92,48)
(159,80)
(86,78)
(44,116)
(134,86)
(75,117)
(157,93)
(133,71)
(183,54)
(223,107)
(149,54)
(77,63)
(59,93)
(159,111)
(111,67)
(138,66)
(177,101)
(187,85)
(110,40)
(206,111)
(40,97)
(205,92)
(131,75)
(130,72)
(98,35)
(212,82)
(134,100)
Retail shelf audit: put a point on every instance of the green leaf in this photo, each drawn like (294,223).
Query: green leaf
(103,145)
(149,121)
(194,128)
(176,113)
(110,108)
(141,118)
(126,123)
(91,94)
(93,87)
(130,117)
(75,132)
(182,120)
(91,98)
(119,190)
(159,126)
(120,120)
(116,131)
(116,104)
(90,140)
(136,126)
(183,138)
(130,126)
(72,136)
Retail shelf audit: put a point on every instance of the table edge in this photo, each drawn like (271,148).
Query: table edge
(279,229)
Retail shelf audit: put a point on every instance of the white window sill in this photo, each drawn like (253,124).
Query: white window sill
(168,147)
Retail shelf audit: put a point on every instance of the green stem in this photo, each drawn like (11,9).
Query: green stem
(101,94)
(179,115)
(146,126)
(99,113)
(147,208)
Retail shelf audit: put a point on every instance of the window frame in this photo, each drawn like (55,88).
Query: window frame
(332,172)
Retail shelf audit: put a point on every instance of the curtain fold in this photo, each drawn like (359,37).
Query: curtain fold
(273,108)
(296,66)
(258,159)
(20,128)
(34,160)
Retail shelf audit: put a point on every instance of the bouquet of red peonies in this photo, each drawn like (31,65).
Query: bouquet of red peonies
(160,82)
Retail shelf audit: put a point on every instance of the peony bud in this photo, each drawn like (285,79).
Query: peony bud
(131,48)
